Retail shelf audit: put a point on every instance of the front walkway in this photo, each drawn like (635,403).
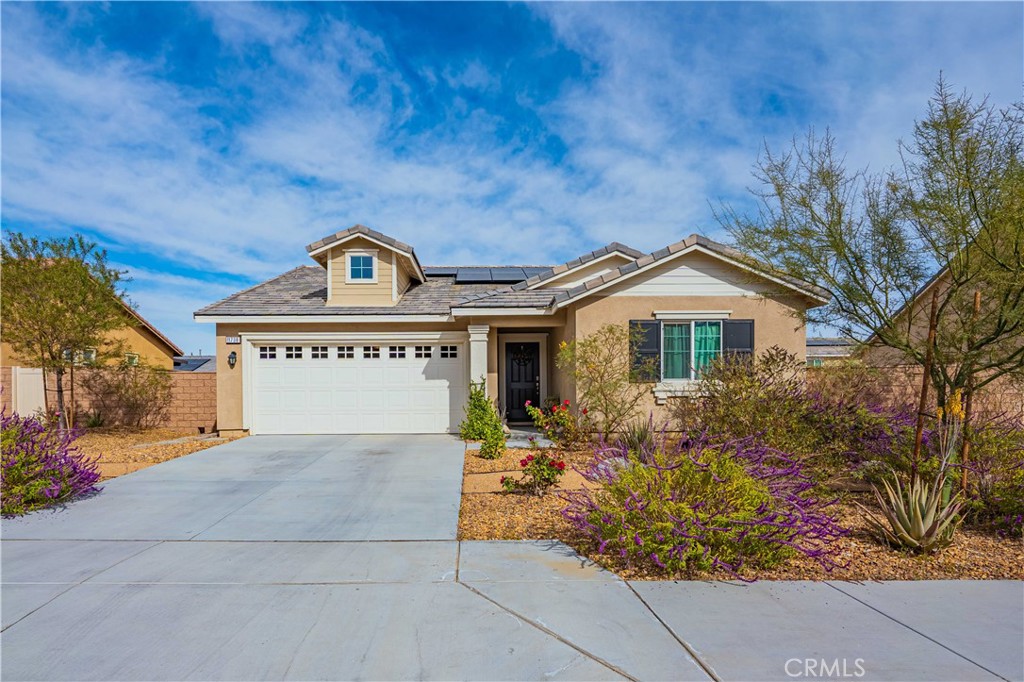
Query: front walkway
(335,558)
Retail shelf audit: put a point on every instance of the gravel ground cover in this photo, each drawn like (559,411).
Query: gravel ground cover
(974,555)
(123,450)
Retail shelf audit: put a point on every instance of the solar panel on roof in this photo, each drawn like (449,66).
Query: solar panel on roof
(530,272)
(440,271)
(470,275)
(507,275)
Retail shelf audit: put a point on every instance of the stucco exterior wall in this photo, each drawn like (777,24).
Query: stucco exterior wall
(775,324)
(137,339)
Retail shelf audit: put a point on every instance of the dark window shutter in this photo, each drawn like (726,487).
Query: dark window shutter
(646,349)
(738,337)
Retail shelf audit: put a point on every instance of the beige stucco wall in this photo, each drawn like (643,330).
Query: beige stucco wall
(775,324)
(379,293)
(137,339)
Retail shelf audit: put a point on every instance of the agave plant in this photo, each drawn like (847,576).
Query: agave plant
(921,517)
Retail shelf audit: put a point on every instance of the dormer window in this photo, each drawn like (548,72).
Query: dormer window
(361,267)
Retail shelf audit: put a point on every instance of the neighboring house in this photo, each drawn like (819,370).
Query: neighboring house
(1001,399)
(367,340)
(195,363)
(22,384)
(822,350)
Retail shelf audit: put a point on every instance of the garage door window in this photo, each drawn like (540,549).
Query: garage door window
(449,351)
(370,352)
(293,352)
(319,352)
(346,352)
(424,351)
(396,352)
(268,352)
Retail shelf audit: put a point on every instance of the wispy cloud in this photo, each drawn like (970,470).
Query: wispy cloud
(208,150)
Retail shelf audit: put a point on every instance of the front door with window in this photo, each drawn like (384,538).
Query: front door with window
(522,379)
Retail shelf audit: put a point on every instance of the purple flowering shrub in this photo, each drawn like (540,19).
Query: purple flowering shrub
(768,397)
(702,507)
(40,466)
(996,471)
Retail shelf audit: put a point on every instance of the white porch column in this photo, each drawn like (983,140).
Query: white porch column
(478,352)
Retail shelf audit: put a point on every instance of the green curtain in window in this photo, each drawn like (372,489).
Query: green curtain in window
(676,353)
(707,343)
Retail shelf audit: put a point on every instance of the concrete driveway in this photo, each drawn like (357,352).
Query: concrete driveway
(335,558)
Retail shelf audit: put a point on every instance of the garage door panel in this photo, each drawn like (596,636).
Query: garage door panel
(357,395)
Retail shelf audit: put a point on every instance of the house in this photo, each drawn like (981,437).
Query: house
(195,363)
(368,340)
(22,385)
(822,350)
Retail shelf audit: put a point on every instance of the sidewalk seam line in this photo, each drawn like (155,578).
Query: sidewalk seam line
(708,670)
(914,630)
(74,585)
(551,633)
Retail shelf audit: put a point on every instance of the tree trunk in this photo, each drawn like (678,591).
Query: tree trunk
(925,380)
(61,412)
(965,453)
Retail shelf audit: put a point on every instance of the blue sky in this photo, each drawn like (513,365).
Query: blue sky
(204,145)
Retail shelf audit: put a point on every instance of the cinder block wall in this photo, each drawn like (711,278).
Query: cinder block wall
(6,384)
(193,400)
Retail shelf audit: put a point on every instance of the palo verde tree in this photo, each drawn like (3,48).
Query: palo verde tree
(947,222)
(58,298)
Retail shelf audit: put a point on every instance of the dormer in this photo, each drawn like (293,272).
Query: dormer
(365,268)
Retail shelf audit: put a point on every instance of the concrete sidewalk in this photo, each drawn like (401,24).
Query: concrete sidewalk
(214,610)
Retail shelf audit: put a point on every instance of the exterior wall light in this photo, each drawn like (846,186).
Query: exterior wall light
(232,359)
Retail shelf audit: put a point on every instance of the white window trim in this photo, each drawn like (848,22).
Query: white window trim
(700,315)
(693,352)
(372,253)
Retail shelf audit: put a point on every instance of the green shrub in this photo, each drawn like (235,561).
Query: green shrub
(638,437)
(129,395)
(481,415)
(607,382)
(560,424)
(493,446)
(702,507)
(767,397)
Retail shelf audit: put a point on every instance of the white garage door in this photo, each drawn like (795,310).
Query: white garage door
(357,387)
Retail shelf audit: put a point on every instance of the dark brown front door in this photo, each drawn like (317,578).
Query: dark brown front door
(522,379)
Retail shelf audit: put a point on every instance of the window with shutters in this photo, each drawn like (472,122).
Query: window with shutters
(680,350)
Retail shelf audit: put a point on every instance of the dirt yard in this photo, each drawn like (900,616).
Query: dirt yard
(488,514)
(122,450)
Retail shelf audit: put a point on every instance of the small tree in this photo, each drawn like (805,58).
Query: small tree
(59,297)
(129,395)
(951,218)
(609,384)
